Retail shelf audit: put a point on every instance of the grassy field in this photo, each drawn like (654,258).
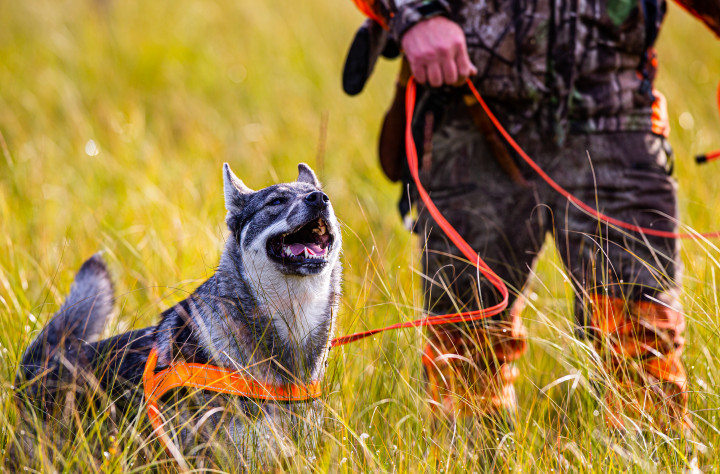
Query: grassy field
(116,117)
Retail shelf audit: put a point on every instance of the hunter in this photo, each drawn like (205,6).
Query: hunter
(572,81)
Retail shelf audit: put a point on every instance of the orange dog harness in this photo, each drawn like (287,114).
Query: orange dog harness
(216,379)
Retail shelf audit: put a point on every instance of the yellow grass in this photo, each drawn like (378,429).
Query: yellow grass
(116,117)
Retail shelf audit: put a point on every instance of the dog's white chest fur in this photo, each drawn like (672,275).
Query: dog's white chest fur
(299,306)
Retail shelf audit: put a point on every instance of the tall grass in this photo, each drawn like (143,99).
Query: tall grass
(116,117)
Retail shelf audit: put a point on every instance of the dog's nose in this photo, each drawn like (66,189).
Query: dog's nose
(317,199)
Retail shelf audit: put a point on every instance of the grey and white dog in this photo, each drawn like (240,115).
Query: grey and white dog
(268,311)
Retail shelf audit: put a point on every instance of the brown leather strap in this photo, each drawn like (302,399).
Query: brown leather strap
(391,146)
(496,145)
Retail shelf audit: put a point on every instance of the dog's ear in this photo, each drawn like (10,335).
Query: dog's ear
(235,190)
(307,175)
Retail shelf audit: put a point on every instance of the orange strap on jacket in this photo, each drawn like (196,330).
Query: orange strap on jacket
(659,117)
(216,379)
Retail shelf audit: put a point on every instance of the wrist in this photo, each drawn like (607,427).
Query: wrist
(413,12)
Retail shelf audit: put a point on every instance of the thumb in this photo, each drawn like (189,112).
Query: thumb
(464,66)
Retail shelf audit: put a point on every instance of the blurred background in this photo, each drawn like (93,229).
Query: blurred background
(116,117)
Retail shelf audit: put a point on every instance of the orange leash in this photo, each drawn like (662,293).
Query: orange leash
(370,9)
(469,253)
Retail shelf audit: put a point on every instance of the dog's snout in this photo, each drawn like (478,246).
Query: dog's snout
(317,199)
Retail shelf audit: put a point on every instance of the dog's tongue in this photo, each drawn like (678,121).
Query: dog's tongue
(313,249)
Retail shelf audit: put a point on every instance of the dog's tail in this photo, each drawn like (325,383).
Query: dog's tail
(80,319)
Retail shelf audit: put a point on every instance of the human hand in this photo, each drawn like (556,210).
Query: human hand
(437,52)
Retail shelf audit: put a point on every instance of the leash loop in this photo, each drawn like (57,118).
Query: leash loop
(453,235)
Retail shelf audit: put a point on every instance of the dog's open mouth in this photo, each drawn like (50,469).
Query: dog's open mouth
(309,244)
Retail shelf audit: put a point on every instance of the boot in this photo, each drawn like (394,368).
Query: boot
(470,373)
(641,344)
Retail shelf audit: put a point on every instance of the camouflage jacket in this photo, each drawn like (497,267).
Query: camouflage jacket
(583,65)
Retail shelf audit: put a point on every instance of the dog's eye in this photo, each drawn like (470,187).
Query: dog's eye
(278,201)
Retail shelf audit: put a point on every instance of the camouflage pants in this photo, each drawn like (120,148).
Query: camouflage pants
(626,284)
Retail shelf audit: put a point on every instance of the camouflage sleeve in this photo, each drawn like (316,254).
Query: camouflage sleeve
(706,10)
(406,13)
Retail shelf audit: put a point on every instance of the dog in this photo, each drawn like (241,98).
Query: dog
(269,312)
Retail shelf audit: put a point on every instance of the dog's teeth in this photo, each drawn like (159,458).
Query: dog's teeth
(306,254)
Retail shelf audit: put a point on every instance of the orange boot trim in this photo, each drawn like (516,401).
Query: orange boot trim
(642,343)
(470,375)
